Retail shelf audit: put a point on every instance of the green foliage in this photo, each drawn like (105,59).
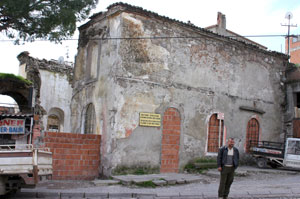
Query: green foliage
(199,165)
(146,184)
(135,170)
(205,160)
(12,76)
(53,20)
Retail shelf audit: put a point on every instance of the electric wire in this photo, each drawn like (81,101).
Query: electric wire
(155,37)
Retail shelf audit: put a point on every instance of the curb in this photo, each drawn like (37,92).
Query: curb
(52,195)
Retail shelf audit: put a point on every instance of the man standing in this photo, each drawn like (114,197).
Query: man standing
(228,161)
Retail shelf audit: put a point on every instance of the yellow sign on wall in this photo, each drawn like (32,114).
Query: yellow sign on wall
(150,119)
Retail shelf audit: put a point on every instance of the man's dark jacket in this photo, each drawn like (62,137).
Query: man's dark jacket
(222,157)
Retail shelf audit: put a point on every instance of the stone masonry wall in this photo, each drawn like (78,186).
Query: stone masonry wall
(199,75)
(75,156)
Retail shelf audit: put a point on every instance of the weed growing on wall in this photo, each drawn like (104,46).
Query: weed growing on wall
(134,170)
(12,76)
(199,165)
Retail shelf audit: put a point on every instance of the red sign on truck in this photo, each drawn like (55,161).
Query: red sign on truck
(12,126)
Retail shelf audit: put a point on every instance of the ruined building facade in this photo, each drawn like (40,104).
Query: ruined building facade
(52,90)
(205,87)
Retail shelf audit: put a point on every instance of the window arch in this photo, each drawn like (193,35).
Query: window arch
(55,120)
(53,123)
(252,136)
(89,119)
(215,134)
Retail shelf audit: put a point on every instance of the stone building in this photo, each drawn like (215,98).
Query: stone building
(52,90)
(162,92)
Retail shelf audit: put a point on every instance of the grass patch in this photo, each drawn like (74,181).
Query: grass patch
(15,77)
(199,165)
(205,160)
(146,184)
(135,170)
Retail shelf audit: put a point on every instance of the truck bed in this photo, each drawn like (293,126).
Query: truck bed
(25,161)
(267,149)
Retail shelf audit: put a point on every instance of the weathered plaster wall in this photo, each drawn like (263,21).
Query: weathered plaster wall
(56,93)
(97,88)
(198,76)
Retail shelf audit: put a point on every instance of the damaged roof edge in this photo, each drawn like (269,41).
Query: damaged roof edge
(51,65)
(121,7)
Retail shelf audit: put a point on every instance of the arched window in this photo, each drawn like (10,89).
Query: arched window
(252,136)
(89,121)
(55,120)
(53,123)
(215,134)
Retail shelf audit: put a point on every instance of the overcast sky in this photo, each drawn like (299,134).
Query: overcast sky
(245,17)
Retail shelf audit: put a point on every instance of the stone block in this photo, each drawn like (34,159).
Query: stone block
(72,195)
(159,182)
(96,195)
(180,181)
(171,181)
(105,182)
(193,179)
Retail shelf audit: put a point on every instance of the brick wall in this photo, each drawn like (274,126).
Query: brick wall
(294,51)
(75,156)
(295,56)
(170,141)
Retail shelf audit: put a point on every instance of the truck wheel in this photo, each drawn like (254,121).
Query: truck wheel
(273,165)
(261,162)
(3,181)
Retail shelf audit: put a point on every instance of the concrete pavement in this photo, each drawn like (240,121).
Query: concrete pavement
(250,182)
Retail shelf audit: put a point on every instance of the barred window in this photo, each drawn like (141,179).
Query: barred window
(215,134)
(252,136)
(89,122)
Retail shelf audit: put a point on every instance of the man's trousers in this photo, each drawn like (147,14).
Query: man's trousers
(227,175)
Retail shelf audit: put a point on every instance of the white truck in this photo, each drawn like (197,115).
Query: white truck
(277,154)
(23,166)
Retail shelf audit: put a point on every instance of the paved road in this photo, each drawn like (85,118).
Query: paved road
(250,183)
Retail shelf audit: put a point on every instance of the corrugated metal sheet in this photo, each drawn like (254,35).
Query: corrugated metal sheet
(16,115)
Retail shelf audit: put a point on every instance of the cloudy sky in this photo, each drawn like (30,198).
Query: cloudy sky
(245,17)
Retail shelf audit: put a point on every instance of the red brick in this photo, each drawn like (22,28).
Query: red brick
(93,152)
(71,156)
(168,170)
(169,152)
(168,156)
(84,152)
(170,146)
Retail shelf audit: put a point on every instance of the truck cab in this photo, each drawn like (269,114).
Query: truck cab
(21,164)
(292,153)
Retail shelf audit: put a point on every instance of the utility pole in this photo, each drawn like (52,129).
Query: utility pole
(289,16)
